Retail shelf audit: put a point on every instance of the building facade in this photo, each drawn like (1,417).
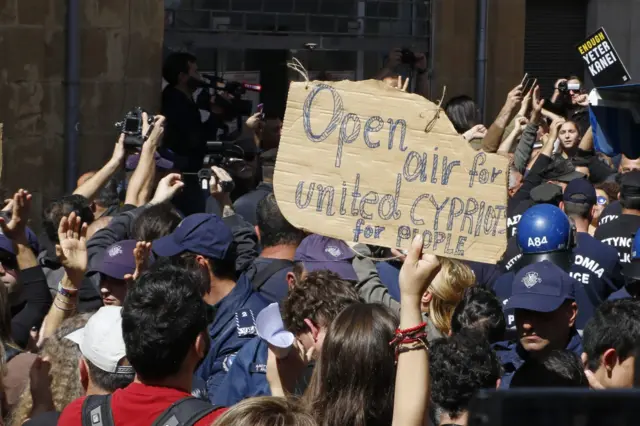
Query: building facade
(123,43)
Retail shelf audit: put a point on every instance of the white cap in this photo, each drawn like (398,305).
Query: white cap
(101,342)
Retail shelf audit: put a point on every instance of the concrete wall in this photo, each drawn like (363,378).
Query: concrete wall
(121,49)
(621,20)
(454,55)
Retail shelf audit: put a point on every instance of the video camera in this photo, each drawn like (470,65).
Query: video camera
(221,154)
(408,57)
(233,105)
(131,126)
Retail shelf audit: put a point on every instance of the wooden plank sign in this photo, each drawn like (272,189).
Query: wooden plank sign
(364,162)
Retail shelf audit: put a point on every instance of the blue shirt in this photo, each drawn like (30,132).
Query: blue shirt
(233,326)
(389,275)
(247,204)
(596,268)
(623,293)
(276,288)
(512,355)
(247,376)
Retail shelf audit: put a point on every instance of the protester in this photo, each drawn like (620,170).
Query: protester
(559,368)
(164,343)
(28,294)
(611,343)
(460,366)
(267,411)
(480,310)
(316,253)
(307,311)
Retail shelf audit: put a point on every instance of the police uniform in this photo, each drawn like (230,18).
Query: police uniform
(247,376)
(233,326)
(595,267)
(234,323)
(631,272)
(540,287)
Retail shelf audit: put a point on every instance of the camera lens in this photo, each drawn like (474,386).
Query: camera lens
(562,86)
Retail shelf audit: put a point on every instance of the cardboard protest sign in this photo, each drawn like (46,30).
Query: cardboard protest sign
(356,163)
(602,60)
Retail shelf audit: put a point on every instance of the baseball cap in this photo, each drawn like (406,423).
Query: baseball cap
(161,163)
(101,341)
(580,191)
(541,287)
(7,245)
(117,260)
(632,269)
(318,253)
(201,233)
(562,170)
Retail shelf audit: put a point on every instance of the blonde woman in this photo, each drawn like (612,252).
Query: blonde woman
(267,411)
(444,293)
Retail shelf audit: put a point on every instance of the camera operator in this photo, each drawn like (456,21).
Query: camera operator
(571,101)
(184,131)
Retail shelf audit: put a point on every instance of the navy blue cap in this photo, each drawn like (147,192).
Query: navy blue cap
(580,191)
(7,245)
(323,253)
(632,269)
(117,260)
(201,233)
(541,287)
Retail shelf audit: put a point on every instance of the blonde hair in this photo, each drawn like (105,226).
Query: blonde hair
(267,411)
(63,355)
(447,292)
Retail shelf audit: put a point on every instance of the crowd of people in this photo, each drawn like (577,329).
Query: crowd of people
(137,303)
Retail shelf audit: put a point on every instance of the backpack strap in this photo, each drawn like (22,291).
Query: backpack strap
(264,275)
(96,411)
(185,412)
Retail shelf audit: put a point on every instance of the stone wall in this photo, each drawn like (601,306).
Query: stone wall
(455,49)
(121,55)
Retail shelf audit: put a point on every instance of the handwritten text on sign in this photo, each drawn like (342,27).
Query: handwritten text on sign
(355,163)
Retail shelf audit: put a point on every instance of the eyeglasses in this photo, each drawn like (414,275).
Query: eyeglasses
(602,201)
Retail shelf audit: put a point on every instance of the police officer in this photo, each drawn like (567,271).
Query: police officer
(204,243)
(543,299)
(631,273)
(545,233)
(313,301)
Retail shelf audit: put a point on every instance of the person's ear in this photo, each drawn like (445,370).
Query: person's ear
(201,345)
(573,314)
(609,360)
(257,232)
(585,360)
(202,261)
(291,280)
(561,205)
(84,373)
(315,330)
(427,297)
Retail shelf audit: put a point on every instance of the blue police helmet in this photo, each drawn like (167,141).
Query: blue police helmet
(545,233)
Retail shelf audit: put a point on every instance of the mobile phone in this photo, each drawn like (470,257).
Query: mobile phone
(524,79)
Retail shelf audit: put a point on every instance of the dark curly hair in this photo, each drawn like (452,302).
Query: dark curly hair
(461,366)
(480,309)
(559,369)
(320,297)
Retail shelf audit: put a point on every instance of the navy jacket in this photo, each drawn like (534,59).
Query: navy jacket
(247,376)
(596,268)
(233,326)
(247,204)
(512,355)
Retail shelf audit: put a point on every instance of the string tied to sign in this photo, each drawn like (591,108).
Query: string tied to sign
(297,66)
(431,123)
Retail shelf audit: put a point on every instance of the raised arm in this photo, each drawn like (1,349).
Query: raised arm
(411,401)
(95,183)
